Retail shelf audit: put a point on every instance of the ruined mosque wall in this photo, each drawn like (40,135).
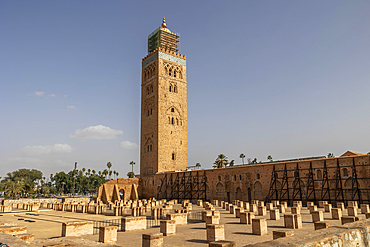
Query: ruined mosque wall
(252,182)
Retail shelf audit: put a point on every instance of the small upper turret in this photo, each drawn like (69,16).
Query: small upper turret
(163,38)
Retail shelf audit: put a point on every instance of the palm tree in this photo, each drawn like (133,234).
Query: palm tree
(109,165)
(117,174)
(221,161)
(330,155)
(12,188)
(99,173)
(110,174)
(105,173)
(88,172)
(198,165)
(131,174)
(242,156)
(93,172)
(114,174)
(83,170)
(270,158)
(132,163)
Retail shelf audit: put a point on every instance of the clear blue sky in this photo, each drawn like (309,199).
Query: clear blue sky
(282,78)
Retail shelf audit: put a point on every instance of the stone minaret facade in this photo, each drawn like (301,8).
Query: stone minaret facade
(164,138)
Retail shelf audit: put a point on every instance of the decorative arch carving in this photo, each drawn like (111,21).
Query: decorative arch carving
(173,70)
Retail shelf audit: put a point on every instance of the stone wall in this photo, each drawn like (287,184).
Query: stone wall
(119,189)
(29,201)
(252,182)
(352,234)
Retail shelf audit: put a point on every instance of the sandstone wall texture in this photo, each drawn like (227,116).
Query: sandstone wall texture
(252,182)
(163,145)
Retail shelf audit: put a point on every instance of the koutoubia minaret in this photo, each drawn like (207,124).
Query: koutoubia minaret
(164,138)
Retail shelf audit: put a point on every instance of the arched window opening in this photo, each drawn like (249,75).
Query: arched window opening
(151,87)
(219,177)
(319,174)
(258,176)
(148,113)
(173,156)
(172,110)
(174,73)
(345,172)
(234,177)
(151,111)
(151,148)
(170,88)
(240,177)
(169,72)
(148,148)
(147,90)
(173,121)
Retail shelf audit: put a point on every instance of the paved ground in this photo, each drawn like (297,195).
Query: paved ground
(48,224)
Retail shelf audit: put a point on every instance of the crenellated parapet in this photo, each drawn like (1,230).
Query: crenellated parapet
(159,49)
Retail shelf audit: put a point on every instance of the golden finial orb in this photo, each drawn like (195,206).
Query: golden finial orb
(164,25)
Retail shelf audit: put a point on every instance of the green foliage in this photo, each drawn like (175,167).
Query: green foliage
(221,161)
(130,174)
(198,165)
(270,158)
(242,156)
(330,155)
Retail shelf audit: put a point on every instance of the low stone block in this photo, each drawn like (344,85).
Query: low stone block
(261,204)
(348,219)
(262,211)
(293,221)
(327,208)
(322,225)
(205,214)
(367,215)
(269,206)
(222,243)
(365,208)
(77,228)
(312,208)
(13,230)
(352,211)
(259,227)
(213,220)
(133,223)
(274,214)
(317,216)
(108,234)
(295,210)
(246,206)
(252,208)
(232,209)
(282,234)
(244,218)
(168,227)
(215,232)
(281,209)
(336,213)
(340,205)
(275,203)
(152,240)
(322,204)
(26,237)
(238,211)
(353,204)
(180,219)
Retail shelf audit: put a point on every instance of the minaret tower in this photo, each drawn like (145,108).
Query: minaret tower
(164,138)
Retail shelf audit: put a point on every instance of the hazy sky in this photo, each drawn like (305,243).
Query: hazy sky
(282,78)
